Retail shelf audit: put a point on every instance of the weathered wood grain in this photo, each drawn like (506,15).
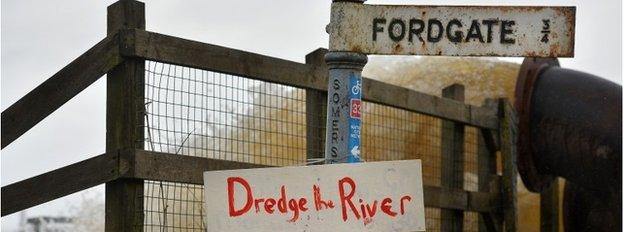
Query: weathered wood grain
(316,110)
(177,168)
(60,182)
(125,108)
(159,166)
(452,146)
(448,109)
(549,208)
(59,89)
(508,139)
(486,169)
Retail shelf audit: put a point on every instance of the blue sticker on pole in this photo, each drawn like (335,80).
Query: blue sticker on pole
(355,115)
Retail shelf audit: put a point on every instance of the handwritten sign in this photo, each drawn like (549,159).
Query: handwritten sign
(452,30)
(373,196)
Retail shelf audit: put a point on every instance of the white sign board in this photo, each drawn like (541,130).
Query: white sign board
(452,30)
(372,196)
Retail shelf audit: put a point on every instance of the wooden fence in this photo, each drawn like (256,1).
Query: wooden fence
(127,164)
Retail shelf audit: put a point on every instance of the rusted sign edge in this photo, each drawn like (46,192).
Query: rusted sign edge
(563,37)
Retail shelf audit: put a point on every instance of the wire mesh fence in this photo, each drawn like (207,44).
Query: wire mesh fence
(394,134)
(215,115)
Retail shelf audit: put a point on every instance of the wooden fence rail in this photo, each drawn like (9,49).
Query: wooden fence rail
(59,89)
(157,166)
(104,56)
(169,49)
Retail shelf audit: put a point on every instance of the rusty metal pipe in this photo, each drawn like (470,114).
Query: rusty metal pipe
(576,126)
(582,211)
(570,125)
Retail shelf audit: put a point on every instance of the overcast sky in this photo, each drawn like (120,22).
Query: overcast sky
(38,38)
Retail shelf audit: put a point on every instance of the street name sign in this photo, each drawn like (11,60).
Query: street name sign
(372,196)
(526,31)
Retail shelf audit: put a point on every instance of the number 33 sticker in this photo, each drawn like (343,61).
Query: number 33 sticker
(356,105)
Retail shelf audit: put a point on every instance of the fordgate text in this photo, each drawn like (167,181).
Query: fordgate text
(454,30)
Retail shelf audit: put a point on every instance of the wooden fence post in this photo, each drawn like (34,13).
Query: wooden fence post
(124,121)
(316,108)
(452,160)
(549,208)
(508,134)
(486,165)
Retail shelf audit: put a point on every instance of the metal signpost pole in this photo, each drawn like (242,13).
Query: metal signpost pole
(344,102)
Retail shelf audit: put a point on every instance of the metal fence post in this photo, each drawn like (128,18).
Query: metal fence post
(508,134)
(452,160)
(316,110)
(124,121)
